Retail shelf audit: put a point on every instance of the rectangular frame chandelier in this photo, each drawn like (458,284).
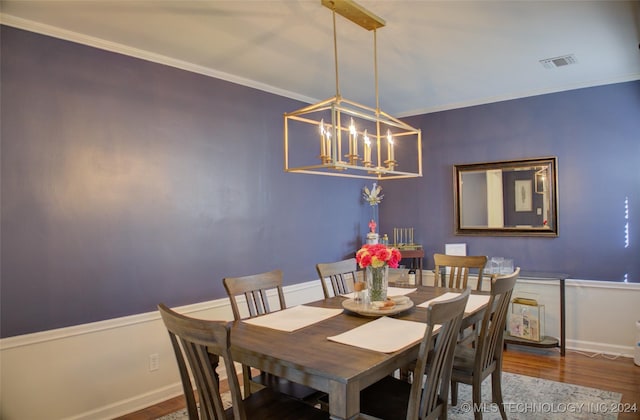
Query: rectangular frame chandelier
(351,140)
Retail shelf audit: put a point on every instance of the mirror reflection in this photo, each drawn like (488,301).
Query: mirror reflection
(507,198)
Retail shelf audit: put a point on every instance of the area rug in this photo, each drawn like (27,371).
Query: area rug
(525,398)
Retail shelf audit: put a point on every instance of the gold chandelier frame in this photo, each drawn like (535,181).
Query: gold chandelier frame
(325,121)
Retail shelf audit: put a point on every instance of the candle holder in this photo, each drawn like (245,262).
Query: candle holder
(403,237)
(391,164)
(353,159)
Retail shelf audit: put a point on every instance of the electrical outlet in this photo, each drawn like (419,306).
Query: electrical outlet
(154,362)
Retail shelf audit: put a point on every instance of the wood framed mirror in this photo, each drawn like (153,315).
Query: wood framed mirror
(507,198)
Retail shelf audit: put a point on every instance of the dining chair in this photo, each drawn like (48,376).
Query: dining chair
(255,290)
(341,275)
(453,270)
(193,340)
(472,364)
(427,397)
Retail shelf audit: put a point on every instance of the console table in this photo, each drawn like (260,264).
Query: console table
(416,255)
(547,342)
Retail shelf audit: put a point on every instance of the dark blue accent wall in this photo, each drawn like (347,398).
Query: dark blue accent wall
(127,183)
(594,132)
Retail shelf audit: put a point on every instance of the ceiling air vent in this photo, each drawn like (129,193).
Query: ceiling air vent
(565,60)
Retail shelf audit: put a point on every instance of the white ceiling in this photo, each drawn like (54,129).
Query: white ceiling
(432,55)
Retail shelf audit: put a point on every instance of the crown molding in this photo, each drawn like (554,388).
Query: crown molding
(102,44)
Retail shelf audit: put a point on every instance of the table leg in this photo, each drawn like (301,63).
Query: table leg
(344,400)
(562,320)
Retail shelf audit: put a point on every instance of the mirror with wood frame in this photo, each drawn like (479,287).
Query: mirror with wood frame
(507,198)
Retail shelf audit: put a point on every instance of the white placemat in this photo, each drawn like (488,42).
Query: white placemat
(474,302)
(292,319)
(384,334)
(399,291)
(391,291)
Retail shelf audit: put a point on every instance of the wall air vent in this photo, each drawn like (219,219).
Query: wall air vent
(565,60)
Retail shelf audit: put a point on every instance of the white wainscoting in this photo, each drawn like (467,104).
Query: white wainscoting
(101,370)
(600,315)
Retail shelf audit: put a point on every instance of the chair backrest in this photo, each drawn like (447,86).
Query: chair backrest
(490,338)
(459,266)
(255,289)
(341,274)
(193,341)
(435,358)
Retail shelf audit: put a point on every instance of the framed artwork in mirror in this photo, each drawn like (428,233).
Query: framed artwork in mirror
(506,198)
(523,195)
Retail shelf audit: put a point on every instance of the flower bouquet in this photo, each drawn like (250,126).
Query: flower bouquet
(376,260)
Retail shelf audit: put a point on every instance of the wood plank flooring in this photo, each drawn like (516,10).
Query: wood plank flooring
(619,375)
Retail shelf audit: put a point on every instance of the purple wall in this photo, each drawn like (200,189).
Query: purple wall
(127,183)
(595,133)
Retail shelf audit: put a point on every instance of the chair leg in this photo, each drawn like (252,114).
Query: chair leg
(246,380)
(476,390)
(405,374)
(496,390)
(454,393)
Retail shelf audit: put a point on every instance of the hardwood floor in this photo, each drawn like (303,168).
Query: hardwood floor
(619,375)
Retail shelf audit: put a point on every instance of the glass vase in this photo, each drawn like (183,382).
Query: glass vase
(377,282)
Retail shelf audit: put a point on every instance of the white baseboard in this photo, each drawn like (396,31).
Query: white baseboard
(600,348)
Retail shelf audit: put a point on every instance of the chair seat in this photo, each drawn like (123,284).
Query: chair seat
(386,399)
(267,404)
(295,390)
(463,359)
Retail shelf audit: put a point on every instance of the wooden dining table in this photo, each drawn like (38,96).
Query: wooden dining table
(307,357)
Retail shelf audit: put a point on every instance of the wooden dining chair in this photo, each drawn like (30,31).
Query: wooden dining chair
(472,364)
(255,290)
(341,275)
(458,267)
(392,398)
(193,340)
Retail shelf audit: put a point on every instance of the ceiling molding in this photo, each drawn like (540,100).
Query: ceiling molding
(102,44)
(110,46)
(527,94)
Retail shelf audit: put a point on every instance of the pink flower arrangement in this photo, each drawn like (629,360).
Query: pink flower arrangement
(377,256)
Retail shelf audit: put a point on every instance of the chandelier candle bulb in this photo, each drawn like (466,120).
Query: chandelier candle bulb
(353,140)
(338,143)
(323,147)
(328,147)
(367,148)
(390,146)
